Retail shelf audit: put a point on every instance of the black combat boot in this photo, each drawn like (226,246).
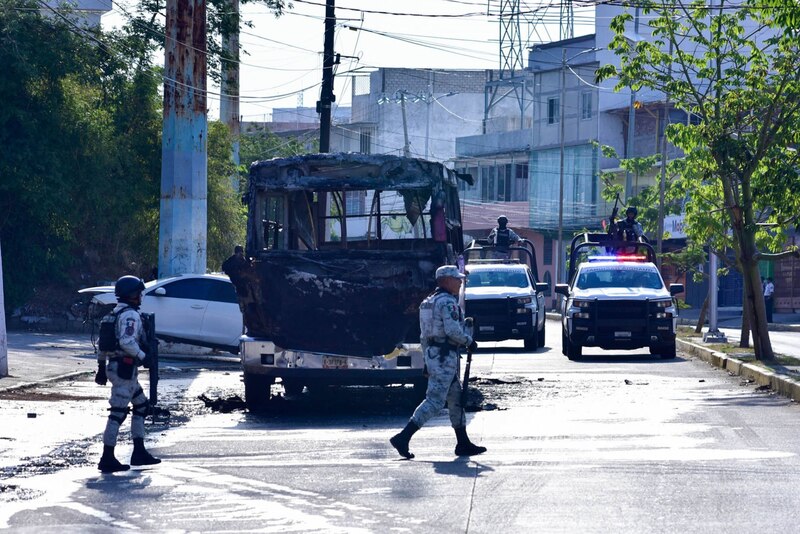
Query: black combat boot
(109,463)
(140,455)
(464,447)
(400,441)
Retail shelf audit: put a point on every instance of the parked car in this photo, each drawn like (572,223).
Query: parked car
(198,309)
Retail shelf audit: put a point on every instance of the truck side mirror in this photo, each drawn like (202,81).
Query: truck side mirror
(562,289)
(674,289)
(542,287)
(160,292)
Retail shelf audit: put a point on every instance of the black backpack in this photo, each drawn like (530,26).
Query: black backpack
(107,339)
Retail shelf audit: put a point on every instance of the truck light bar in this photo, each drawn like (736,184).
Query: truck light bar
(619,257)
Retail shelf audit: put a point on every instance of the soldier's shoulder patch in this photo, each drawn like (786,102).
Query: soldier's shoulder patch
(452,309)
(130,325)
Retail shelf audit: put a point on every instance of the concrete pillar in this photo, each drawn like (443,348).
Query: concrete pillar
(184,181)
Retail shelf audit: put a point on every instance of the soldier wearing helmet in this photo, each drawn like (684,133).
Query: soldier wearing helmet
(124,357)
(442,330)
(630,228)
(501,236)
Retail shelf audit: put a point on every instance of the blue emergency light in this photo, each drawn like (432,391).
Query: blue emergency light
(618,257)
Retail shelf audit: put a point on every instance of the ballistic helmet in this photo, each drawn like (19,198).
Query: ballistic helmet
(502,220)
(450,271)
(632,209)
(128,286)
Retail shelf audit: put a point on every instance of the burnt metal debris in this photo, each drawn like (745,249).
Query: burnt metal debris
(344,248)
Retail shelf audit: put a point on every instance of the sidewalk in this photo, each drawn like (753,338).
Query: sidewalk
(732,318)
(37,357)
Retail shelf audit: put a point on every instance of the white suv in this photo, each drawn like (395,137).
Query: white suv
(618,302)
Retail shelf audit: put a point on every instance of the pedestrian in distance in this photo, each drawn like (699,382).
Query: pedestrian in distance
(502,236)
(769,291)
(443,332)
(122,339)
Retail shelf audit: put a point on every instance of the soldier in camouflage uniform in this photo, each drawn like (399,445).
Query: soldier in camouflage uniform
(122,372)
(442,327)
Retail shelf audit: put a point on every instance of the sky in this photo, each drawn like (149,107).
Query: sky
(281,66)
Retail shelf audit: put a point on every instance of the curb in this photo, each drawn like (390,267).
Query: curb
(772,327)
(780,383)
(26,385)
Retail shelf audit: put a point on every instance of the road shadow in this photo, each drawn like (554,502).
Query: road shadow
(625,358)
(460,466)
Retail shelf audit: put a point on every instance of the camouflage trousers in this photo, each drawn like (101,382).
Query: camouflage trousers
(123,393)
(444,384)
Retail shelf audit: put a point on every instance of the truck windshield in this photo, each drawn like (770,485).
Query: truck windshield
(497,279)
(619,278)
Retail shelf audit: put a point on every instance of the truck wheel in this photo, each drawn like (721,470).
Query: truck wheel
(256,392)
(668,351)
(531,343)
(564,343)
(541,335)
(573,350)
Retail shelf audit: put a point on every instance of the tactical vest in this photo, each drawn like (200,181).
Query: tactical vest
(426,314)
(502,238)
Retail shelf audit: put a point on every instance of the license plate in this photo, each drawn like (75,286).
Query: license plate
(487,329)
(622,334)
(332,362)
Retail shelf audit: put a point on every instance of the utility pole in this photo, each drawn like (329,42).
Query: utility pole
(3,331)
(560,245)
(713,335)
(662,184)
(229,101)
(428,102)
(631,118)
(327,97)
(406,147)
(182,235)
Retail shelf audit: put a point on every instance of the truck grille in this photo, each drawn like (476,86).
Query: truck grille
(490,307)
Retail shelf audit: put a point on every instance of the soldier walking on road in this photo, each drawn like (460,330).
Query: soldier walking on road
(442,333)
(123,348)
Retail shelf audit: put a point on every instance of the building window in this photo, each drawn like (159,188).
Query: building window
(586,105)
(547,251)
(520,182)
(355,202)
(365,142)
(553,110)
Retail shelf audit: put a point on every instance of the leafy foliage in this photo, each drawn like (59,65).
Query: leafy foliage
(80,127)
(733,67)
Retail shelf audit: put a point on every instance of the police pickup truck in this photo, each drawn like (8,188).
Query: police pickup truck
(616,298)
(503,294)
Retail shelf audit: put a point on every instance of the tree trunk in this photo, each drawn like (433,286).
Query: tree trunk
(744,224)
(744,335)
(702,319)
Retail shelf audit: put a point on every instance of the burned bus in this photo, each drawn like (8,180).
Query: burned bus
(342,248)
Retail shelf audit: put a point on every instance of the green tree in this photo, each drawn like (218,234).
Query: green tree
(80,127)
(733,67)
(227,216)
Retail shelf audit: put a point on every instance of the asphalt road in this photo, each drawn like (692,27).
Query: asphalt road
(618,442)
